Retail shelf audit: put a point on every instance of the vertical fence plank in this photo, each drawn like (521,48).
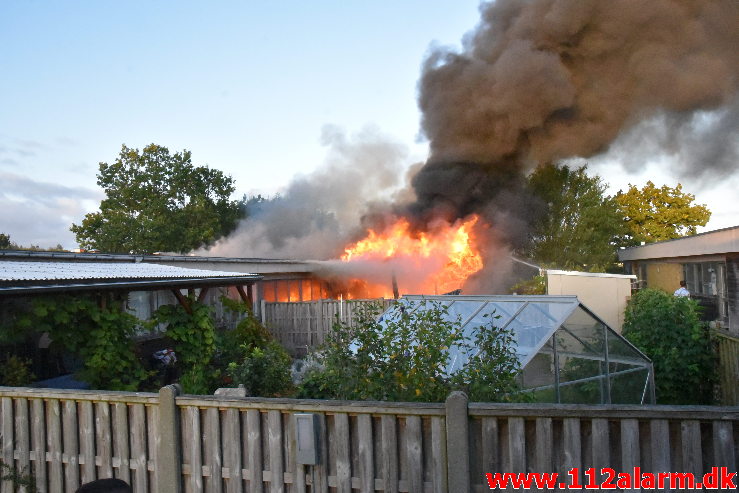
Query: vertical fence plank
(571,448)
(87,441)
(232,454)
(600,440)
(212,439)
(438,451)
(8,442)
(630,453)
(659,431)
(54,437)
(320,472)
(543,445)
(104,439)
(138,448)
(38,430)
(414,436)
(22,436)
(390,453)
(517,444)
(153,440)
(71,445)
(297,470)
(196,458)
(254,432)
(342,452)
(690,431)
(723,445)
(276,462)
(490,446)
(366,454)
(122,448)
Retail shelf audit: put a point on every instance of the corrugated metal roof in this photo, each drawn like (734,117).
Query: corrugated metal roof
(20,271)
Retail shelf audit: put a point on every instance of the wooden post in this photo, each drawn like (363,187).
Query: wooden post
(457,442)
(169,461)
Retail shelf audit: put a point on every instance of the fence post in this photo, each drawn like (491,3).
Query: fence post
(457,442)
(169,450)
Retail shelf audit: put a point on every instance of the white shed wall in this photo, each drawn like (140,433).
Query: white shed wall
(605,295)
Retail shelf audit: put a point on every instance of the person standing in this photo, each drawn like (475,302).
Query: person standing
(682,290)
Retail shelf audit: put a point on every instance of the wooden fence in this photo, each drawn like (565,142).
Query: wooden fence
(304,324)
(172,443)
(727,348)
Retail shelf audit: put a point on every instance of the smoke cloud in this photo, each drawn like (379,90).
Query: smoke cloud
(319,213)
(544,80)
(538,81)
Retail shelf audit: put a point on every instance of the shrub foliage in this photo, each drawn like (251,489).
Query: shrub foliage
(406,358)
(667,329)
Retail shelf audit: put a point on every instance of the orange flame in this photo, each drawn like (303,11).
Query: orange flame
(449,248)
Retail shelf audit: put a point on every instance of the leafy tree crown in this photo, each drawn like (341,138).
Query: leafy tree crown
(158,201)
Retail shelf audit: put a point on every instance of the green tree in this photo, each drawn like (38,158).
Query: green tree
(667,329)
(655,214)
(157,201)
(5,242)
(579,224)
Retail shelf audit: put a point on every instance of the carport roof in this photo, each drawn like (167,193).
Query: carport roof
(29,276)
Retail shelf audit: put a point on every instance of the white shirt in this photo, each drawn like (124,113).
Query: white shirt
(682,292)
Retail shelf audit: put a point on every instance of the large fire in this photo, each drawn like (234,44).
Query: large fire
(441,258)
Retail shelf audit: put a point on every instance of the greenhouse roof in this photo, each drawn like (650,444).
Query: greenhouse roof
(532,319)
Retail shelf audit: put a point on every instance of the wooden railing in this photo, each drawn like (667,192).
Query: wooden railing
(172,443)
(302,325)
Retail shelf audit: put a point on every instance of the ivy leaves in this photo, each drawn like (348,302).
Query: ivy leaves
(195,344)
(100,333)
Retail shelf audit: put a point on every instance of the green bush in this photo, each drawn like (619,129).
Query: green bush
(233,344)
(16,372)
(667,329)
(406,357)
(264,371)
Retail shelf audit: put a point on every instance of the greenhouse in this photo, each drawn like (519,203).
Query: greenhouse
(566,353)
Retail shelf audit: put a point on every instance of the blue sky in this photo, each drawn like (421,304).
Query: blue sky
(247,86)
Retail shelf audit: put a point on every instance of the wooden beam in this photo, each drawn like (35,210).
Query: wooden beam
(246,296)
(203,294)
(185,302)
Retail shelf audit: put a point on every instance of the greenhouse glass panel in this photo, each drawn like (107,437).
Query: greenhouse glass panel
(505,311)
(620,350)
(631,386)
(539,373)
(463,310)
(534,325)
